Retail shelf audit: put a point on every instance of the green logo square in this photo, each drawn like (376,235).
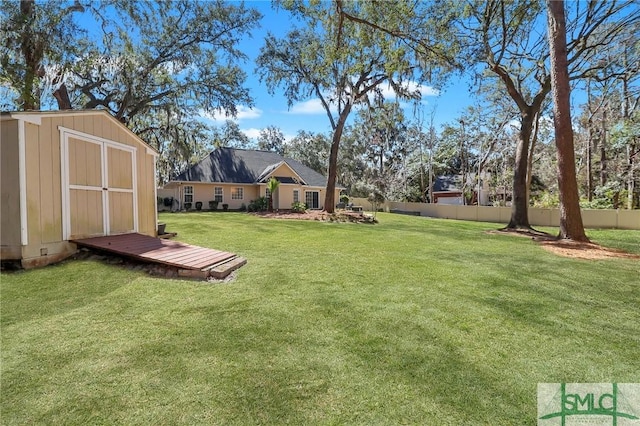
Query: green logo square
(576,404)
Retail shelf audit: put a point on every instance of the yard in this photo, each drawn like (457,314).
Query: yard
(410,321)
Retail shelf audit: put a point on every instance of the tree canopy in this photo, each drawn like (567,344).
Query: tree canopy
(343,63)
(160,66)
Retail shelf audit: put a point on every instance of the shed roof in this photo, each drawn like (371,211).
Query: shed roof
(35,117)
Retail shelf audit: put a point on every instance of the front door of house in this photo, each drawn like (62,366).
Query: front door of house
(98,181)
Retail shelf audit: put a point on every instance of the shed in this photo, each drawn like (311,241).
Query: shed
(67,175)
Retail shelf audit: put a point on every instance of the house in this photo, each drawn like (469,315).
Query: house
(448,189)
(69,175)
(237,176)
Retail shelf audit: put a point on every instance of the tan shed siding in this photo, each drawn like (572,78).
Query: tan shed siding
(47,231)
(86,124)
(10,186)
(120,169)
(151,215)
(119,162)
(120,218)
(51,220)
(86,213)
(146,198)
(34,207)
(43,186)
(85,163)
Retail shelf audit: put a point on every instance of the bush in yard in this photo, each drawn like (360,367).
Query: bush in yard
(225,207)
(213,205)
(258,205)
(168,201)
(298,207)
(243,207)
(187,206)
(198,205)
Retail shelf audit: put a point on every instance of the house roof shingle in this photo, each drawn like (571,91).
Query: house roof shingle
(230,165)
(447,183)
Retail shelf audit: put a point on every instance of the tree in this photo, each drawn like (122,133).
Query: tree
(310,149)
(571,226)
(340,62)
(158,66)
(352,163)
(272,186)
(157,52)
(388,143)
(179,140)
(505,36)
(40,41)
(384,131)
(610,148)
(229,135)
(271,139)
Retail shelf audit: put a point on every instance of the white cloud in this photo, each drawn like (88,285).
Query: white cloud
(251,133)
(310,107)
(314,106)
(243,113)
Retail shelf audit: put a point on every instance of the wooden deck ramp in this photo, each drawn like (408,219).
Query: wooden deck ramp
(191,261)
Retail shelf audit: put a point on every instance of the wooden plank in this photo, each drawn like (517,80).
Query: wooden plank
(173,253)
(222,271)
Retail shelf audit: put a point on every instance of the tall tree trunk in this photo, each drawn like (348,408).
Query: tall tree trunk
(330,196)
(603,150)
(590,166)
(626,114)
(571,225)
(631,182)
(32,53)
(62,96)
(589,144)
(532,147)
(520,202)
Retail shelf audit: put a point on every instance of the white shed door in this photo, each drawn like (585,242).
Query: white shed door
(98,185)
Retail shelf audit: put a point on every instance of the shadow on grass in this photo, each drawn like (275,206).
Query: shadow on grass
(57,289)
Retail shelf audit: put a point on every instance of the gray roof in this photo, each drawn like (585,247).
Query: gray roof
(230,165)
(447,183)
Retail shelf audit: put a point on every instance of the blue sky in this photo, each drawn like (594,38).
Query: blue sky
(272,110)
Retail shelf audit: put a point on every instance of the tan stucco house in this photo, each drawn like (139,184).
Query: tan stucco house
(69,175)
(238,176)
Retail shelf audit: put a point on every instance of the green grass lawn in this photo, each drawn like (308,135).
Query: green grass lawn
(411,321)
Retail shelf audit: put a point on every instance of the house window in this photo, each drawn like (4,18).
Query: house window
(237,193)
(296,196)
(217,194)
(188,194)
(267,193)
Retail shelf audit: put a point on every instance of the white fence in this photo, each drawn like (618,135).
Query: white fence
(620,219)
